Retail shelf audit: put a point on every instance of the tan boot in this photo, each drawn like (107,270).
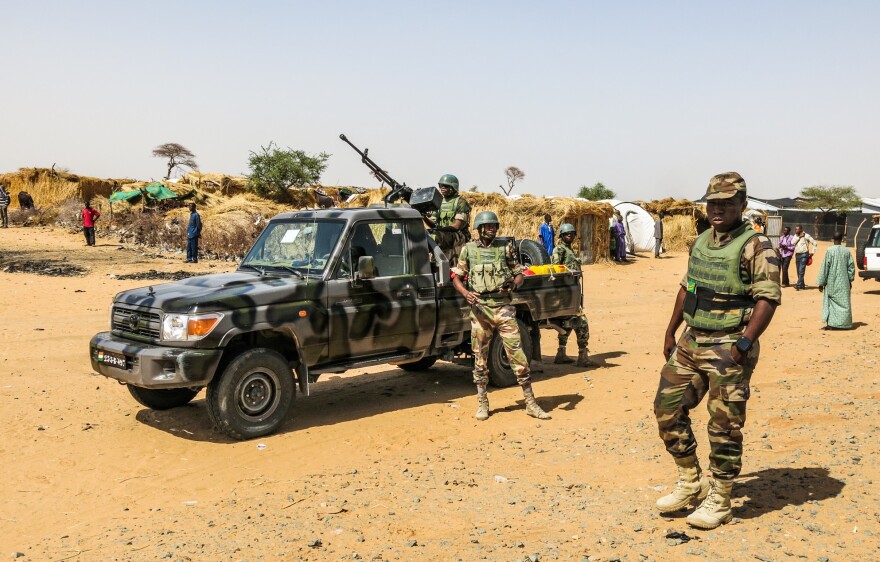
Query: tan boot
(562,358)
(482,404)
(583,359)
(715,509)
(532,407)
(691,486)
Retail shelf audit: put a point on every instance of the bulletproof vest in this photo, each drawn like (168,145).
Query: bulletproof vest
(716,297)
(447,212)
(567,257)
(487,267)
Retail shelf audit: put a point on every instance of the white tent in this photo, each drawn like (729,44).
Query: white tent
(639,225)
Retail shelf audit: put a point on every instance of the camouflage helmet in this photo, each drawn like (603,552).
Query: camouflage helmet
(485,217)
(448,180)
(566,228)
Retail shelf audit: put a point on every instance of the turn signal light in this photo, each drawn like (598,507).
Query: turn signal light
(200,327)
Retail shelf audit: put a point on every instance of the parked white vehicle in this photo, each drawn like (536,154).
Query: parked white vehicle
(868,257)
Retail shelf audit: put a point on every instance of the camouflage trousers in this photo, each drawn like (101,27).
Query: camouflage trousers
(485,321)
(581,328)
(701,364)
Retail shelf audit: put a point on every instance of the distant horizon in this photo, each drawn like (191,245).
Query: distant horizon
(649,99)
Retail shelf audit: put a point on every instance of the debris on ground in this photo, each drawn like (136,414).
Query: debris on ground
(153,274)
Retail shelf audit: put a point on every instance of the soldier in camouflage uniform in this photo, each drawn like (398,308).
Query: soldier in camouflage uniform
(564,255)
(727,300)
(449,225)
(492,273)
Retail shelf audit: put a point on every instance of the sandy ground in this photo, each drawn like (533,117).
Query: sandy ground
(388,465)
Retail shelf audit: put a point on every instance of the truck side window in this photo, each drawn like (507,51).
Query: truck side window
(384,242)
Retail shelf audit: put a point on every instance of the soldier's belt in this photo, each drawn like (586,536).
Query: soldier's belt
(703,298)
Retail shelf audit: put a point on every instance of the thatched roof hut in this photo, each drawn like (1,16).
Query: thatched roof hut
(49,187)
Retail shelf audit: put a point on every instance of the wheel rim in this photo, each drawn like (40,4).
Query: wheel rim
(257,394)
(503,360)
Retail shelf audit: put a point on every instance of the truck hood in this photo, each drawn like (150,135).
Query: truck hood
(219,292)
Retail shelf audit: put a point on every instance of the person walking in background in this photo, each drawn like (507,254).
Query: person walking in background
(727,299)
(4,206)
(804,248)
(547,235)
(658,234)
(619,237)
(193,233)
(89,216)
(563,254)
(786,251)
(835,282)
(759,225)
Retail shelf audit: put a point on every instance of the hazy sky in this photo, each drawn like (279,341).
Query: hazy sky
(651,98)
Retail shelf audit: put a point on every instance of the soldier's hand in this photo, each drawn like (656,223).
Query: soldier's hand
(668,346)
(736,355)
(472,297)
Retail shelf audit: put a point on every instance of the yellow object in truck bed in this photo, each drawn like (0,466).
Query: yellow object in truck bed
(545,269)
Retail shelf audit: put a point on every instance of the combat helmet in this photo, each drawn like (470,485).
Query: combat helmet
(566,228)
(485,217)
(449,180)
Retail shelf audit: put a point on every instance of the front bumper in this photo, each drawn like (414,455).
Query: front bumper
(870,274)
(153,366)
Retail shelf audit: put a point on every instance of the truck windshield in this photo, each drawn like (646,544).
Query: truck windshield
(302,244)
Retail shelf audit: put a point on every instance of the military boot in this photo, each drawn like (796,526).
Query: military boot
(691,486)
(583,359)
(561,357)
(532,407)
(482,404)
(715,509)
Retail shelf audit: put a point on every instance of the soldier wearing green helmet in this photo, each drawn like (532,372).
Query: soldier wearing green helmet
(492,272)
(450,223)
(563,254)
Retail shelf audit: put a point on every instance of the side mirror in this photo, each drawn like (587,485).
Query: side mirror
(366,268)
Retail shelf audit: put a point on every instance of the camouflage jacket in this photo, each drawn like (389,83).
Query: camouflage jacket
(564,255)
(463,266)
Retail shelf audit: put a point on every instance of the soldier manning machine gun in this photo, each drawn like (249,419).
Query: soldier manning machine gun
(423,199)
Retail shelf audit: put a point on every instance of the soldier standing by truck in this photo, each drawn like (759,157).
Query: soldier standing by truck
(492,273)
(727,299)
(564,255)
(450,223)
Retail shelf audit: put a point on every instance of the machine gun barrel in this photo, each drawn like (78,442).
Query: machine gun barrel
(398,190)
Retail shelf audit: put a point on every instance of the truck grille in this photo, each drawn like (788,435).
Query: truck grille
(136,321)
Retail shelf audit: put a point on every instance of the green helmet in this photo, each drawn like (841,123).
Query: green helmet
(566,228)
(485,217)
(449,180)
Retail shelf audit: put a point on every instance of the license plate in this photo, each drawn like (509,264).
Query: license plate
(112,359)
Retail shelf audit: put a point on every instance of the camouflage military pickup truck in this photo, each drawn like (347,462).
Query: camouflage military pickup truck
(319,292)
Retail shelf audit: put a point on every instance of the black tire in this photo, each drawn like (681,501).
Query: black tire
(532,253)
(252,396)
(500,373)
(163,398)
(422,364)
(860,252)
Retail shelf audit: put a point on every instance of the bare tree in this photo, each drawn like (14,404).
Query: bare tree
(514,175)
(177,155)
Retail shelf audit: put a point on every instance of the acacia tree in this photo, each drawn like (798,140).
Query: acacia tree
(275,170)
(596,193)
(830,198)
(513,175)
(178,156)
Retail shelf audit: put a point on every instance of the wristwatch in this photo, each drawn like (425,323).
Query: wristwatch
(744,344)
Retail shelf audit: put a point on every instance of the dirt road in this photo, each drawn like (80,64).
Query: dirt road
(386,465)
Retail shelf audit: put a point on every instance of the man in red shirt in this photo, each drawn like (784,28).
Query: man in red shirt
(89,216)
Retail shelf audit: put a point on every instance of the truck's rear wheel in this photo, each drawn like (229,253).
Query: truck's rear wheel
(500,373)
(422,364)
(163,398)
(252,396)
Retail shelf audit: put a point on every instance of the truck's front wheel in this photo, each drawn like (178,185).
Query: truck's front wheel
(252,395)
(162,398)
(500,373)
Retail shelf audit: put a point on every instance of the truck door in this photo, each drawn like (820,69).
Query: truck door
(384,314)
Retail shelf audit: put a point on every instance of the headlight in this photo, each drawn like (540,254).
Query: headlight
(188,327)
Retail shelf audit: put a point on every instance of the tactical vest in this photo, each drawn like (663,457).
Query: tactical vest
(716,297)
(447,212)
(487,267)
(566,256)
